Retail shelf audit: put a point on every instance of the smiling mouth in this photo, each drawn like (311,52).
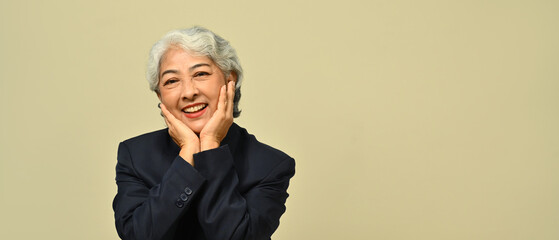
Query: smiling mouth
(194,109)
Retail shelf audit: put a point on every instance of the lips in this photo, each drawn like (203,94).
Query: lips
(194,110)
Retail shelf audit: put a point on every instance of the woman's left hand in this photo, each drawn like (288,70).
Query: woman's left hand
(216,128)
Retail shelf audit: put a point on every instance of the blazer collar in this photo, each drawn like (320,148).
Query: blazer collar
(231,139)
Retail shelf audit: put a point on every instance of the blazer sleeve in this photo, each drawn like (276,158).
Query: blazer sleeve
(226,213)
(143,212)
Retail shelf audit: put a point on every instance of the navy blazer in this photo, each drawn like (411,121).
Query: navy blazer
(236,191)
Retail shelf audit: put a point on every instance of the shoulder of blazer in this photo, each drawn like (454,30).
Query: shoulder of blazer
(151,154)
(155,136)
(252,154)
(153,144)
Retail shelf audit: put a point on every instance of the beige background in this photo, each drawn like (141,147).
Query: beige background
(407,119)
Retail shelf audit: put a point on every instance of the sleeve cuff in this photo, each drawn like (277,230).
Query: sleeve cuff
(185,182)
(214,162)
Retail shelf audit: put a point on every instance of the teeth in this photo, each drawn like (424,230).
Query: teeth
(194,108)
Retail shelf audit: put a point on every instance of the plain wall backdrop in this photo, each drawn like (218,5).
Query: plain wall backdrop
(407,119)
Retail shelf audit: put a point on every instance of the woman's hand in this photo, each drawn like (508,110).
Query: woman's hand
(182,135)
(216,128)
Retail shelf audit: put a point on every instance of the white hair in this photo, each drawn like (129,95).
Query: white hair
(200,41)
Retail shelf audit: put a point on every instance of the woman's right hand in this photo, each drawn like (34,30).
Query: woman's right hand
(183,136)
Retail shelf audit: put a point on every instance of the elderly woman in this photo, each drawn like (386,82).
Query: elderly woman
(204,177)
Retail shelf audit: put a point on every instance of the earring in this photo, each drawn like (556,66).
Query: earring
(160,112)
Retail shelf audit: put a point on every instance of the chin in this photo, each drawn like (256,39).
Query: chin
(197,126)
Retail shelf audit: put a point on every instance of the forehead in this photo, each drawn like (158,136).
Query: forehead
(177,57)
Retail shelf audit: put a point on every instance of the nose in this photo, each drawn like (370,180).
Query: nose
(189,90)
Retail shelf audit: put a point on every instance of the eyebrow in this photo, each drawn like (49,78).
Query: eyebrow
(169,71)
(198,65)
(190,69)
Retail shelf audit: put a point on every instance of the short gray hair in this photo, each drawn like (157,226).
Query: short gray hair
(201,41)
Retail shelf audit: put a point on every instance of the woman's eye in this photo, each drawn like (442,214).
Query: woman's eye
(170,81)
(200,74)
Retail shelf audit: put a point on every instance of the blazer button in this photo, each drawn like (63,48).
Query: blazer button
(179,203)
(188,191)
(183,197)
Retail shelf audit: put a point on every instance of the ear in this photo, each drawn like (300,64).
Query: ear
(232,77)
(158,95)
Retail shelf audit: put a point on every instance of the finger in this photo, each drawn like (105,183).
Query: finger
(164,110)
(165,113)
(168,116)
(221,105)
(230,96)
(173,125)
(169,125)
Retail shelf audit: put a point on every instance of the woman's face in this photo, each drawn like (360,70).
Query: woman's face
(189,87)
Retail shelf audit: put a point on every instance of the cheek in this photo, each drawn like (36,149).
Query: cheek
(213,104)
(168,98)
(212,92)
(212,98)
(215,96)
